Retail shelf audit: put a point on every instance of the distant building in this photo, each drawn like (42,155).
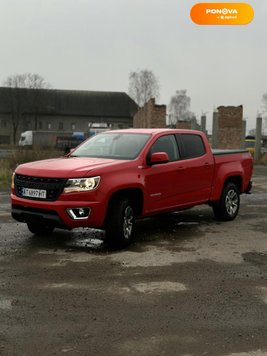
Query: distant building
(61,110)
(150,115)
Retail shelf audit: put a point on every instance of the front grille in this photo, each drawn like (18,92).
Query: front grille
(52,186)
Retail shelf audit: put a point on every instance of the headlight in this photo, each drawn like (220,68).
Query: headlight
(81,184)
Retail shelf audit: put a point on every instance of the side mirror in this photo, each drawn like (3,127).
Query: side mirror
(159,157)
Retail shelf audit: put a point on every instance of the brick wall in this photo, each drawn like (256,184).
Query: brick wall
(229,127)
(187,125)
(150,116)
(184,125)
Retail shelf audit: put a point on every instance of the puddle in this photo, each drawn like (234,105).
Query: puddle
(5,304)
(258,258)
(158,287)
(263,293)
(187,223)
(61,285)
(251,353)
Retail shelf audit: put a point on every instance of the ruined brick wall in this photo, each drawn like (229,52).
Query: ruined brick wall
(186,125)
(150,116)
(229,127)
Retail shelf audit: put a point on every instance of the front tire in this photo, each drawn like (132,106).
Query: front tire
(40,229)
(226,209)
(120,222)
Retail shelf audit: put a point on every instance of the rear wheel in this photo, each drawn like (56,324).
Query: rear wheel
(120,222)
(40,229)
(228,206)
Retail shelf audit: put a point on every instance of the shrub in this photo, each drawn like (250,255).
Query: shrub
(8,165)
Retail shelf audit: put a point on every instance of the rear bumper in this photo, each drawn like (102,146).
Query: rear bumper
(56,213)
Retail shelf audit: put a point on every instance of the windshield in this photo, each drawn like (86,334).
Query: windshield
(112,145)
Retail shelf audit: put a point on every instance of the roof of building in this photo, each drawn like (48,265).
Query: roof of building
(67,102)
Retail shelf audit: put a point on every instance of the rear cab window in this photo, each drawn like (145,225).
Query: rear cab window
(192,145)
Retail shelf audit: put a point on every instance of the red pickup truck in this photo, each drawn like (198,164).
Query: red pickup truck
(117,176)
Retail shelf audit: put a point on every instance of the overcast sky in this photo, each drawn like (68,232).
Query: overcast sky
(95,44)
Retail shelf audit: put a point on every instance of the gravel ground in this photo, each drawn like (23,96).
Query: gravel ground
(188,285)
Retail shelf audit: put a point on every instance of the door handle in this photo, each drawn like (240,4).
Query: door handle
(181,168)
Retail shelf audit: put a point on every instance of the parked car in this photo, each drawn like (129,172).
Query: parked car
(250,144)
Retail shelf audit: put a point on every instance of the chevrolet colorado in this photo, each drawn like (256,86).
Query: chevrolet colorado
(117,176)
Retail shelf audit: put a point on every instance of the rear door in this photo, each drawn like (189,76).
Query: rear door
(196,168)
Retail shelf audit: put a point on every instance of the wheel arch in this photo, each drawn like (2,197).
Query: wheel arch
(237,180)
(134,194)
(218,189)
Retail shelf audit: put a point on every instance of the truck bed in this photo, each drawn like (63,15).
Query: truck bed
(219,152)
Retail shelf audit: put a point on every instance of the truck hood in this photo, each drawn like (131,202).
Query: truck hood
(65,167)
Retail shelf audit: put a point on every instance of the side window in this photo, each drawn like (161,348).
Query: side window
(193,145)
(166,144)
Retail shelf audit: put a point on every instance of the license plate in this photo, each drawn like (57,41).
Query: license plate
(34,193)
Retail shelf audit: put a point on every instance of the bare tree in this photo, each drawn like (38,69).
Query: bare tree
(19,100)
(143,85)
(26,80)
(252,132)
(179,108)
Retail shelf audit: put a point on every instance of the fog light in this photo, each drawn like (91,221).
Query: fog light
(78,213)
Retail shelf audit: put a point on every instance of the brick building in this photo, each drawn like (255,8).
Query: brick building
(150,116)
(61,110)
(228,127)
(188,124)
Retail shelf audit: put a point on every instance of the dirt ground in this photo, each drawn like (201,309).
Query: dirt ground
(188,285)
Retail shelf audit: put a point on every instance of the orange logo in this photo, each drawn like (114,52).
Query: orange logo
(222,13)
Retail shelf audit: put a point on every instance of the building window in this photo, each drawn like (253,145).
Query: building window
(4,139)
(3,123)
(60,126)
(49,126)
(73,126)
(40,125)
(27,125)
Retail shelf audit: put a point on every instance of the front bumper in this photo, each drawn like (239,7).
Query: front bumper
(56,213)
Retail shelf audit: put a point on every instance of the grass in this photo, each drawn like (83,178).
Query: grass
(8,165)
(5,173)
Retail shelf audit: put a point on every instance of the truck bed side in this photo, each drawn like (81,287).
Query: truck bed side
(231,165)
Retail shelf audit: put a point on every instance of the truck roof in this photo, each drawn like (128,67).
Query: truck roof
(153,131)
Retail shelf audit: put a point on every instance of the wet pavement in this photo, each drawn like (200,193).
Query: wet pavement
(188,285)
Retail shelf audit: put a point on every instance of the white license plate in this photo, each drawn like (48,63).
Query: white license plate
(34,193)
